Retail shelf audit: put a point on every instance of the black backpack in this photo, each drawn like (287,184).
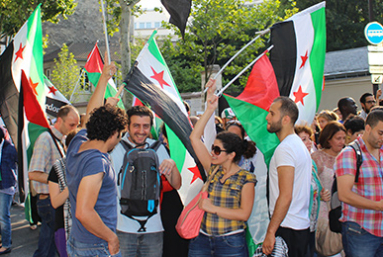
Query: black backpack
(335,205)
(140,182)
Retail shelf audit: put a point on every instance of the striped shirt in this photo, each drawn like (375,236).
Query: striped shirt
(227,195)
(369,186)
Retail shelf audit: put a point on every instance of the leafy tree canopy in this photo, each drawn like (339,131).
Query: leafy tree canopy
(14,13)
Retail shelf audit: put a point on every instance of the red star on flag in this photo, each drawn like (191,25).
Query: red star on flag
(33,85)
(52,90)
(196,174)
(19,53)
(304,59)
(299,95)
(160,78)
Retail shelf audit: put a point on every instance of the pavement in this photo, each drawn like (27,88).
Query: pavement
(24,240)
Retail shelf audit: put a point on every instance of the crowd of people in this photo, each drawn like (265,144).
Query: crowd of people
(78,182)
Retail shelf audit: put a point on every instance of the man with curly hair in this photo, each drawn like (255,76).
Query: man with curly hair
(91,178)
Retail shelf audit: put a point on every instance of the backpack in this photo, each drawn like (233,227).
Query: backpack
(140,182)
(335,205)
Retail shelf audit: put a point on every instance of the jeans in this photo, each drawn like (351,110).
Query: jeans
(232,245)
(358,242)
(140,245)
(5,219)
(76,249)
(46,246)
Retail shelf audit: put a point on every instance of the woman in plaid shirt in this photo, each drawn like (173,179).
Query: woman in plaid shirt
(231,191)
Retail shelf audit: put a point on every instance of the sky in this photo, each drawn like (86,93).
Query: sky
(149,4)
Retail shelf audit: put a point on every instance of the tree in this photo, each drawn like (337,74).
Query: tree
(15,12)
(65,72)
(217,29)
(346,20)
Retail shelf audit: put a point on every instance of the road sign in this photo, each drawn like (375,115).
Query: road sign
(374,33)
(376,78)
(376,69)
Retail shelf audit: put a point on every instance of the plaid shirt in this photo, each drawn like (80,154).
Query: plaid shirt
(45,154)
(227,195)
(369,186)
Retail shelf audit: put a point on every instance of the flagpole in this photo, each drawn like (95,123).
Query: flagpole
(74,90)
(260,33)
(242,71)
(105,30)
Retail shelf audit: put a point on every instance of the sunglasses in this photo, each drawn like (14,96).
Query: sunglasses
(217,150)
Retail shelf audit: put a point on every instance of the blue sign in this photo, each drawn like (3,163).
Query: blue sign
(374,33)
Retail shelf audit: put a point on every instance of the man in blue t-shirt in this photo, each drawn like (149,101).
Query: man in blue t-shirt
(91,178)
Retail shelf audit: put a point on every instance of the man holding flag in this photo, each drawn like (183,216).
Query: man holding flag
(47,149)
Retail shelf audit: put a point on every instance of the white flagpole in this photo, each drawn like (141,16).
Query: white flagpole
(260,33)
(75,88)
(242,71)
(105,31)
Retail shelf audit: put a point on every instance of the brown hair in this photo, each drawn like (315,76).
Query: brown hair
(303,128)
(328,115)
(328,132)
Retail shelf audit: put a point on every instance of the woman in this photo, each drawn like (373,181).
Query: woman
(354,127)
(231,191)
(332,140)
(305,133)
(58,192)
(325,117)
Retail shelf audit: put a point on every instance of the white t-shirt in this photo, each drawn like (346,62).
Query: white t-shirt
(292,152)
(125,224)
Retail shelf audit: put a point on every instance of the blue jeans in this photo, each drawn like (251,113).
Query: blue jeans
(77,249)
(140,245)
(358,242)
(46,246)
(5,219)
(232,245)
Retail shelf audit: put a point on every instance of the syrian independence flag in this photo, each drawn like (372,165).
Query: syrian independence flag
(151,82)
(179,11)
(54,99)
(298,58)
(251,108)
(93,68)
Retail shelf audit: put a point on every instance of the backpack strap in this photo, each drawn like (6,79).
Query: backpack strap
(155,145)
(359,159)
(126,145)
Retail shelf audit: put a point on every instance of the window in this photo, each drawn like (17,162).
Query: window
(148,25)
(85,83)
(142,25)
(157,24)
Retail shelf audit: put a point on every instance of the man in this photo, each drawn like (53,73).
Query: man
(362,216)
(46,151)
(90,176)
(367,101)
(8,181)
(346,107)
(289,186)
(149,242)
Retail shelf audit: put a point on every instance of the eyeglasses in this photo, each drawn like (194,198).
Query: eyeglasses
(371,102)
(217,150)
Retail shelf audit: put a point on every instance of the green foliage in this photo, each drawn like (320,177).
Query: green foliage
(217,29)
(14,13)
(345,21)
(65,72)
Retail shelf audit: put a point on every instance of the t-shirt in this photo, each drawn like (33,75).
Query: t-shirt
(292,152)
(87,163)
(125,224)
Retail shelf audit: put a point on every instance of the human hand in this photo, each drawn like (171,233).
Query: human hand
(112,101)
(268,243)
(167,166)
(207,205)
(109,69)
(378,94)
(325,195)
(114,245)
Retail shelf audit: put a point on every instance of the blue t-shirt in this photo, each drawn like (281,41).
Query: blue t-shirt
(86,163)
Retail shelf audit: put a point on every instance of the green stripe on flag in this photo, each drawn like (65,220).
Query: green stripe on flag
(318,52)
(253,119)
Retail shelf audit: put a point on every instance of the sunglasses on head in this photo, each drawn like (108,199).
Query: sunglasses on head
(217,150)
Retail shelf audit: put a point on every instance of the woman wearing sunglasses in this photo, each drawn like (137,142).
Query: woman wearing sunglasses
(231,191)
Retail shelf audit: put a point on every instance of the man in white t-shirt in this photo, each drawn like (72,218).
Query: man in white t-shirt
(134,241)
(289,181)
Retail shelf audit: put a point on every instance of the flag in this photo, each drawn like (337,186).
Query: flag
(151,82)
(179,11)
(54,99)
(93,68)
(298,58)
(251,108)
